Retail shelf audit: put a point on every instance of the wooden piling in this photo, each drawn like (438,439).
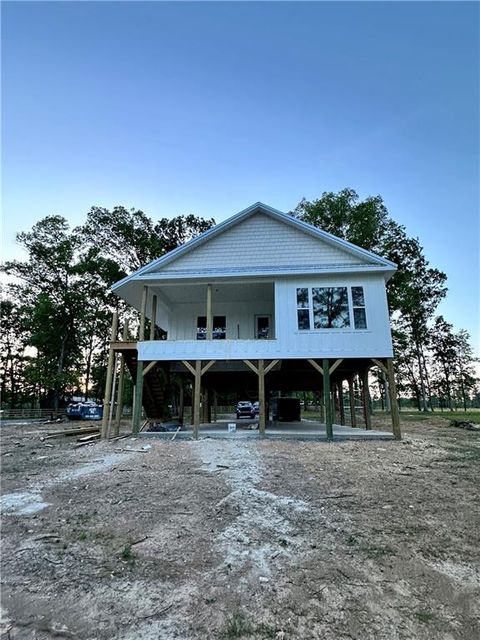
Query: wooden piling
(139,378)
(351,394)
(392,387)
(261,397)
(196,398)
(341,408)
(366,400)
(121,384)
(326,399)
(108,382)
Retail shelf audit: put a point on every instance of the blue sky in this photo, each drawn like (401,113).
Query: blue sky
(207,107)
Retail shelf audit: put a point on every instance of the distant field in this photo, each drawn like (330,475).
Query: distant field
(472,415)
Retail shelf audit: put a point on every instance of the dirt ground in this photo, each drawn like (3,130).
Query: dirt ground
(147,540)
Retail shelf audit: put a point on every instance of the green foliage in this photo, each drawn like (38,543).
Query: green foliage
(58,304)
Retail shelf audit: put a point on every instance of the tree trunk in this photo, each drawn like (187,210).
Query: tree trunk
(423,394)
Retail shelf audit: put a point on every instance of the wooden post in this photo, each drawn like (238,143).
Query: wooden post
(209,312)
(196,398)
(341,408)
(205,405)
(181,403)
(215,403)
(261,397)
(326,399)
(112,401)
(121,383)
(139,382)
(153,318)
(351,393)
(366,400)
(108,382)
(392,387)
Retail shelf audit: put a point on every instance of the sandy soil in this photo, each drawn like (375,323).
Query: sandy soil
(223,539)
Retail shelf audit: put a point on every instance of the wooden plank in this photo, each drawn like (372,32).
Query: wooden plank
(252,366)
(124,345)
(336,364)
(316,366)
(326,398)
(189,367)
(207,366)
(270,366)
(380,364)
(392,387)
(149,367)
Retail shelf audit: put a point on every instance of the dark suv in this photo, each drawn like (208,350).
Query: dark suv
(245,409)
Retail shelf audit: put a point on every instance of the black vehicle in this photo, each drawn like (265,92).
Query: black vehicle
(256,407)
(245,409)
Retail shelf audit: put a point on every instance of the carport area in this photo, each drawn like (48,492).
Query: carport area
(304,430)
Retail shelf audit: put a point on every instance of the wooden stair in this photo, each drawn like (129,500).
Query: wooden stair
(155,386)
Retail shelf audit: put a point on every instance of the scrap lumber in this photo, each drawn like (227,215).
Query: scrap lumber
(69,432)
(89,438)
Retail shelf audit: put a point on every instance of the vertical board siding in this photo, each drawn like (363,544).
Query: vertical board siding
(289,341)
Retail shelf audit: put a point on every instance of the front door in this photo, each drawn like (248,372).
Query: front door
(262,327)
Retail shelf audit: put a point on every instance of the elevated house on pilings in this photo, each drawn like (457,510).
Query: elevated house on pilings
(261,300)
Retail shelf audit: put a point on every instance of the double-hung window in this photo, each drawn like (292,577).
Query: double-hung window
(303,308)
(358,303)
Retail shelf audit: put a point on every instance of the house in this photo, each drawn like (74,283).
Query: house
(261,296)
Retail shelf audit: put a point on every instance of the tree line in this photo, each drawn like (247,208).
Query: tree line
(56,308)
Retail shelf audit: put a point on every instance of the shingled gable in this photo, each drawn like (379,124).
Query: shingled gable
(261,240)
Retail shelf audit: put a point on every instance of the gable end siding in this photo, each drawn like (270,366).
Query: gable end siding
(261,242)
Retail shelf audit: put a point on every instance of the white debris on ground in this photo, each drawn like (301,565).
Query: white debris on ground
(28,502)
(263,521)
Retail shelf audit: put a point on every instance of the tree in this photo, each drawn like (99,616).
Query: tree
(414,291)
(50,295)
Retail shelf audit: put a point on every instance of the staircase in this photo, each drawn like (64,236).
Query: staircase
(155,385)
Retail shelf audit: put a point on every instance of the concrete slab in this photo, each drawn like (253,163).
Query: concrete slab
(304,430)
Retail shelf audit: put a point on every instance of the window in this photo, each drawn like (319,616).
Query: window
(219,328)
(303,309)
(359,314)
(330,308)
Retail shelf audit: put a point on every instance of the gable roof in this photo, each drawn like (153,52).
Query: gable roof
(171,264)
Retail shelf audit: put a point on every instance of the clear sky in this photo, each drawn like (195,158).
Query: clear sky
(207,107)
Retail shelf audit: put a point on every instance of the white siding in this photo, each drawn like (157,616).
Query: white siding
(261,241)
(289,342)
(240,318)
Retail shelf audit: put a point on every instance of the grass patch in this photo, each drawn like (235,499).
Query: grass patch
(424,616)
(236,626)
(127,553)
